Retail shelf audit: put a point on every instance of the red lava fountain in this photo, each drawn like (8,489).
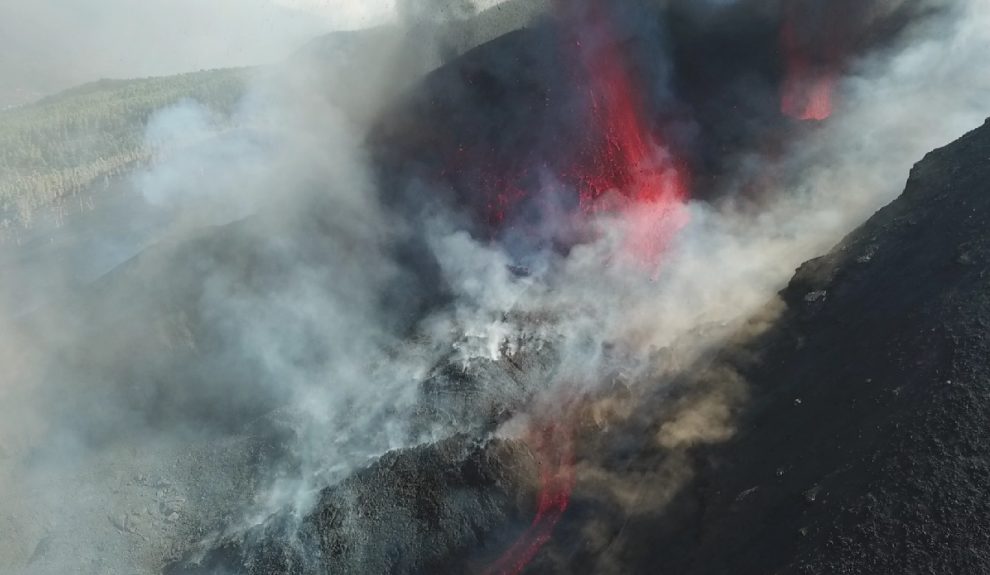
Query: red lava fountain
(808,88)
(811,64)
(650,184)
(627,171)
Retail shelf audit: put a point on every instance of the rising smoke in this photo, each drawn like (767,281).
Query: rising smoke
(276,335)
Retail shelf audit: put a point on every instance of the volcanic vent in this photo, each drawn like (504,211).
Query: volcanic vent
(555,194)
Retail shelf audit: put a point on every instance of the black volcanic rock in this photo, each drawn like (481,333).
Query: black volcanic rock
(863,447)
(860,447)
(496,132)
(409,512)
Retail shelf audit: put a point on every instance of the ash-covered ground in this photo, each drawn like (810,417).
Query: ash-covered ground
(534,311)
(852,422)
(857,444)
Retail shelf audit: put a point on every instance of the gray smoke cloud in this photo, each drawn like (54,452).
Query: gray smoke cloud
(190,392)
(245,360)
(51,45)
(732,256)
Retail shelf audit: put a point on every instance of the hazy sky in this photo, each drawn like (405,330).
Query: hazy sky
(48,45)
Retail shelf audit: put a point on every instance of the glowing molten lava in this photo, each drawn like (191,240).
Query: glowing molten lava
(622,169)
(811,63)
(807,95)
(808,88)
(552,445)
(626,169)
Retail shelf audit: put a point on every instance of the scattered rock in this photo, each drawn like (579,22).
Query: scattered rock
(965,259)
(43,546)
(867,255)
(119,521)
(172,505)
(747,493)
(413,511)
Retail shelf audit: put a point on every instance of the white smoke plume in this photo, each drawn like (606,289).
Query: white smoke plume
(734,254)
(121,447)
(119,450)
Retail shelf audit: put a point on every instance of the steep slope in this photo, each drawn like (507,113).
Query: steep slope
(406,513)
(863,446)
(849,436)
(64,144)
(840,457)
(70,143)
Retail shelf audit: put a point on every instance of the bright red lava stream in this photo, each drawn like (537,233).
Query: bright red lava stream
(652,183)
(553,447)
(630,173)
(625,169)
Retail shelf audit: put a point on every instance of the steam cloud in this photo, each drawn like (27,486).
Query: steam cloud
(274,339)
(51,45)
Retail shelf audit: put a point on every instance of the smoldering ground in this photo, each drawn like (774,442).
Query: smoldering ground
(248,360)
(112,421)
(771,207)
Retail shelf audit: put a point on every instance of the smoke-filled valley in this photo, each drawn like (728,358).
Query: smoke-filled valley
(509,288)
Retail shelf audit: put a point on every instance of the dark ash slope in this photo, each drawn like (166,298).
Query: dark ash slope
(864,447)
(407,513)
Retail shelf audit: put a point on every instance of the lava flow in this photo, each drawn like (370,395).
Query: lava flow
(618,166)
(552,445)
(624,170)
(628,163)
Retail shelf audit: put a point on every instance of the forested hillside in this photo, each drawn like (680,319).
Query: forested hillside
(63,144)
(58,146)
